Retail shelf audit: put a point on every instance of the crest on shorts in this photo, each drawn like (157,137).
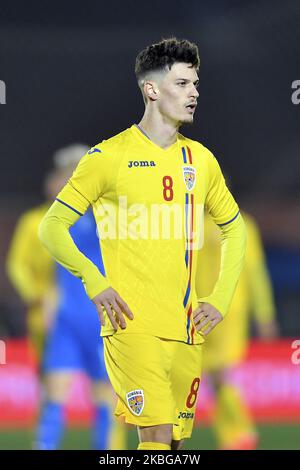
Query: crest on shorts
(135,401)
(189,176)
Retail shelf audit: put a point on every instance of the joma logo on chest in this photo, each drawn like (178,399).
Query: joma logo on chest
(132,163)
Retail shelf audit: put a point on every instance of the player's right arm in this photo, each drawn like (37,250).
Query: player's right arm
(88,182)
(19,266)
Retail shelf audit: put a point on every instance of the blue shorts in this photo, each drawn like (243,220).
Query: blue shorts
(73,347)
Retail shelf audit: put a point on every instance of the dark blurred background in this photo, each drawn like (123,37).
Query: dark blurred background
(69,75)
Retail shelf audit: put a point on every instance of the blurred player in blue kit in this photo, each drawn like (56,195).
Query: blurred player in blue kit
(74,341)
(72,335)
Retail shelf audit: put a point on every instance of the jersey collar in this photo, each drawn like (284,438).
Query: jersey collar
(142,135)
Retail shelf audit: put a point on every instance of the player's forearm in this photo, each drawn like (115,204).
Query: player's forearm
(18,267)
(54,234)
(233,248)
(22,282)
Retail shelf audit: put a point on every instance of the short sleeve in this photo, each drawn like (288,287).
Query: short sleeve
(219,200)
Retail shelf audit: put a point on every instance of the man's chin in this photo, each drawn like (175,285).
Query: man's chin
(187,120)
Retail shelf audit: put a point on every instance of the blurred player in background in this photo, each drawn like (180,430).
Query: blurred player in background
(227,345)
(31,269)
(72,330)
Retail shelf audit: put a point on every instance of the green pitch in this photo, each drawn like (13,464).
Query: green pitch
(271,437)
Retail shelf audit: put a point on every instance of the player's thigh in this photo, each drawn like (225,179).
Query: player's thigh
(160,433)
(93,359)
(62,350)
(102,391)
(57,385)
(186,378)
(36,330)
(139,367)
(224,346)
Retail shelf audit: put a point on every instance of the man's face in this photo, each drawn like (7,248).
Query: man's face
(177,97)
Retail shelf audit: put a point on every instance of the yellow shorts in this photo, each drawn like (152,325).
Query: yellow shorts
(156,380)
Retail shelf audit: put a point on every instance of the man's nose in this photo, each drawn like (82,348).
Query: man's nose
(194,92)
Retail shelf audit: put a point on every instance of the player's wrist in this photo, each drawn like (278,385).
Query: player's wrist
(215,303)
(93,281)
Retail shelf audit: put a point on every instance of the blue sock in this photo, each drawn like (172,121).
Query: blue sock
(50,426)
(102,427)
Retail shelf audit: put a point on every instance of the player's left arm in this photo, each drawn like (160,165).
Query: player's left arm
(263,305)
(225,213)
(87,184)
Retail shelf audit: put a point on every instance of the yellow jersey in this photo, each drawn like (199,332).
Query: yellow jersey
(148,205)
(254,291)
(228,343)
(30,269)
(29,265)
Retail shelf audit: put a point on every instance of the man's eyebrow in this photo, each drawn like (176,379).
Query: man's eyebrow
(188,80)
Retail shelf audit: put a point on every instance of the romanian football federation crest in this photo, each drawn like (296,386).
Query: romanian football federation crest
(135,401)
(189,176)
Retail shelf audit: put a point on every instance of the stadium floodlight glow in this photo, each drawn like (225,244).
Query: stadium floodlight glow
(2,92)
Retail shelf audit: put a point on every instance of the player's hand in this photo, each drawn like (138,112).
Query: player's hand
(114,305)
(206,317)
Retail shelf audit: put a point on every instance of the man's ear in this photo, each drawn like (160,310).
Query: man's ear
(151,90)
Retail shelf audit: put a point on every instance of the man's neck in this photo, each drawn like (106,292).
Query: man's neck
(162,133)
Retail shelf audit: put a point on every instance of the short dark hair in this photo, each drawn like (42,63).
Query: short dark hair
(164,54)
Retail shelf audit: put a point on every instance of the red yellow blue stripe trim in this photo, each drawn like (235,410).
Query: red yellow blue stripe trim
(190,155)
(189,227)
(186,227)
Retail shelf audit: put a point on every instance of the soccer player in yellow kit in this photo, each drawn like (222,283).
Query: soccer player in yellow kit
(29,265)
(30,269)
(227,345)
(32,272)
(147,186)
